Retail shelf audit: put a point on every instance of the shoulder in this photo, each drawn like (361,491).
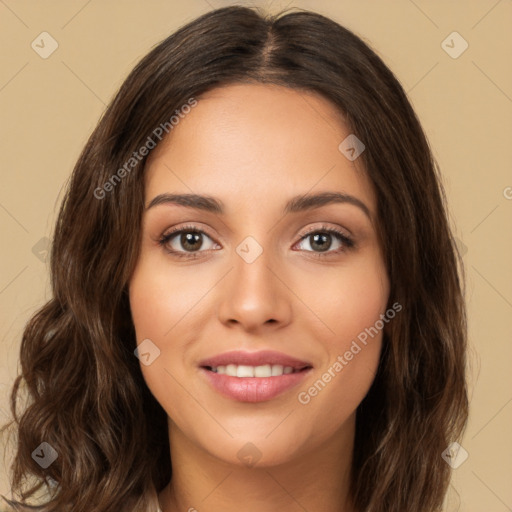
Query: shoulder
(7,505)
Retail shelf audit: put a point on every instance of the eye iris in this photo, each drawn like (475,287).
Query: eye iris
(323,239)
(190,238)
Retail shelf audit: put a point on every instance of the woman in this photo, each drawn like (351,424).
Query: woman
(256,296)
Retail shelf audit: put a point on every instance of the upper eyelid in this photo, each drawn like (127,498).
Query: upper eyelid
(174,231)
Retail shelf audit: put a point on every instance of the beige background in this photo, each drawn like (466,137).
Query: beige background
(49,107)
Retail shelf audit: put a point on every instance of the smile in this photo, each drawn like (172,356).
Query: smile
(249,388)
(244,371)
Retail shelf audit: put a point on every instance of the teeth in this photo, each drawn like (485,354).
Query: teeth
(263,371)
(245,371)
(266,370)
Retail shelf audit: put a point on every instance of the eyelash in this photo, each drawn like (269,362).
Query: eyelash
(347,242)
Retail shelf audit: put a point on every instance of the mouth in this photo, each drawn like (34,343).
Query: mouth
(253,376)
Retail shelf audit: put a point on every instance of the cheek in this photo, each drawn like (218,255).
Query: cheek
(164,304)
(350,304)
(345,300)
(160,299)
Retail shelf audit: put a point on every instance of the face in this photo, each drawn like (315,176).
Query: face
(281,290)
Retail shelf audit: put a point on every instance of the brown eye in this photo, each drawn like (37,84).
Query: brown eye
(186,242)
(191,241)
(321,241)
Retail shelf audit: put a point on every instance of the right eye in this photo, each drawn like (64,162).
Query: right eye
(185,242)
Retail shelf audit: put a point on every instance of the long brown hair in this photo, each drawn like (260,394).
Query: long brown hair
(88,399)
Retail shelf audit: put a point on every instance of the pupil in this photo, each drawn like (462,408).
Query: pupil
(188,239)
(322,240)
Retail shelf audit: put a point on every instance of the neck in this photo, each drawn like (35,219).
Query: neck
(317,480)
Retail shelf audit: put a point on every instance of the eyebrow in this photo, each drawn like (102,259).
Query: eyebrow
(295,204)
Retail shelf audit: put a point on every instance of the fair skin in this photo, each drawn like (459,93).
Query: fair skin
(254,147)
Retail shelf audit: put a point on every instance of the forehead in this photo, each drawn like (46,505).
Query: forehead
(258,141)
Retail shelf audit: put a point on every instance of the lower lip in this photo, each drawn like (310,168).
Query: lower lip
(253,389)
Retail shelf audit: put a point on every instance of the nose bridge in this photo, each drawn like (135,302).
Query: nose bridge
(253,294)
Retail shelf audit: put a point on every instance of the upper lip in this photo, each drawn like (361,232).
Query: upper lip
(259,358)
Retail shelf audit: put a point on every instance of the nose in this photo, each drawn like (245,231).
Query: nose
(254,295)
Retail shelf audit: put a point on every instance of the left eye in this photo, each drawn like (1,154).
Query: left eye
(320,241)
